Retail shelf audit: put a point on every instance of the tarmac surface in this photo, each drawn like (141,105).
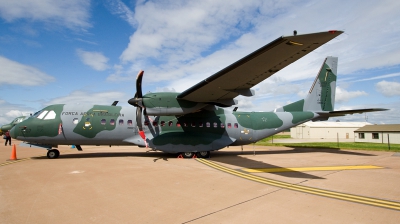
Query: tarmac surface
(298,140)
(126,184)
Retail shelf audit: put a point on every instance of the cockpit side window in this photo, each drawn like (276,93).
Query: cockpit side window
(51,115)
(42,114)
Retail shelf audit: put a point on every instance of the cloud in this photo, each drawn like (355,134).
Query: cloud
(15,73)
(119,8)
(343,95)
(388,88)
(83,97)
(379,77)
(72,13)
(181,30)
(212,35)
(9,111)
(96,60)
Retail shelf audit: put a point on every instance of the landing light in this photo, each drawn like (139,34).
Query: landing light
(332,31)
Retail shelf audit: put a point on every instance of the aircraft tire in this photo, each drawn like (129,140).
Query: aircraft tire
(53,154)
(187,155)
(204,154)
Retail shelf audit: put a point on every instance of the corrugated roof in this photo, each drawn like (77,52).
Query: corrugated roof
(321,124)
(380,128)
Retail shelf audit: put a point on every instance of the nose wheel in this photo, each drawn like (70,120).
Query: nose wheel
(53,154)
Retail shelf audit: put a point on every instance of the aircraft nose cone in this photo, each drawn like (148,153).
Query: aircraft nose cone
(5,127)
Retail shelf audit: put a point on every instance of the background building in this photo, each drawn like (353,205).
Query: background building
(333,130)
(379,133)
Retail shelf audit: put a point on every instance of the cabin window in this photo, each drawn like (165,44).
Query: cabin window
(42,114)
(112,122)
(208,124)
(201,124)
(236,125)
(229,125)
(184,124)
(121,122)
(361,135)
(155,123)
(51,115)
(375,135)
(222,125)
(129,122)
(178,124)
(162,123)
(193,124)
(75,121)
(215,125)
(103,121)
(170,123)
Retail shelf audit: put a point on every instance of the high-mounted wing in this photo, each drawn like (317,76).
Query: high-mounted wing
(239,77)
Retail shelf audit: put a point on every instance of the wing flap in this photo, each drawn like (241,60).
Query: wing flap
(256,67)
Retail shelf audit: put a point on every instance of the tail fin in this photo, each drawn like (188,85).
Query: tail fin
(321,96)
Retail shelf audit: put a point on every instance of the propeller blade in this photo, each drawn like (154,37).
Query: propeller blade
(139,118)
(137,99)
(140,124)
(139,84)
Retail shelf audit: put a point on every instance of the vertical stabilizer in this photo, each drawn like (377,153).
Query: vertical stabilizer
(321,96)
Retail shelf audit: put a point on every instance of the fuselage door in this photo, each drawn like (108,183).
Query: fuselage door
(245,126)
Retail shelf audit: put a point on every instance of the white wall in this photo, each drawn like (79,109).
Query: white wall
(322,132)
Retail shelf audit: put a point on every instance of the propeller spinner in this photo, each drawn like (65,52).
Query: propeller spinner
(137,102)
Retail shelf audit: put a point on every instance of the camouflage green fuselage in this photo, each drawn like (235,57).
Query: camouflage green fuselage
(206,130)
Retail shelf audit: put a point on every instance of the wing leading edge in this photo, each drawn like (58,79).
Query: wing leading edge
(254,68)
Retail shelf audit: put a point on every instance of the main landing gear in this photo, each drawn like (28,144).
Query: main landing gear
(187,155)
(53,154)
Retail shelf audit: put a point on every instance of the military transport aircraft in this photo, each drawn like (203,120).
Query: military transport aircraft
(194,121)
(7,127)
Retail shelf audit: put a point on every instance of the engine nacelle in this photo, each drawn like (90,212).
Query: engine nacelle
(166,103)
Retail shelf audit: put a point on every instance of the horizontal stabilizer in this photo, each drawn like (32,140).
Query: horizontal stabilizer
(345,112)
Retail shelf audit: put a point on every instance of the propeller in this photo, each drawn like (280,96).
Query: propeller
(137,101)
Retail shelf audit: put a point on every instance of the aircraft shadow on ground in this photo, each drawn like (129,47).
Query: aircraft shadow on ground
(254,164)
(226,157)
(235,159)
(294,150)
(79,155)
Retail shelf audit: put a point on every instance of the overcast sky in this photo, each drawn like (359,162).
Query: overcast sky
(56,51)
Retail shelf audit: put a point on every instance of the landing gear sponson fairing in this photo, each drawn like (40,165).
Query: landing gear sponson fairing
(194,121)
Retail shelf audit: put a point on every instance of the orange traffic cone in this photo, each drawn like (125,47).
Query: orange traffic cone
(14,153)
